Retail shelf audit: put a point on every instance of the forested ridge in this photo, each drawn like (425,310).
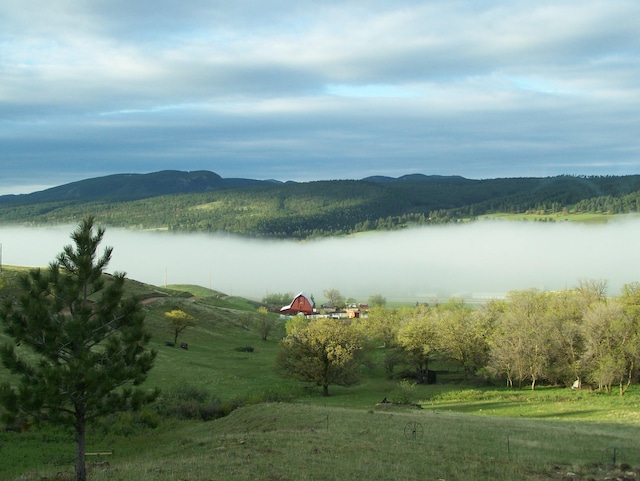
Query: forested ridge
(203,201)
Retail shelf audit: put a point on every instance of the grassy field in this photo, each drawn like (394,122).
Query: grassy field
(310,441)
(583,218)
(284,430)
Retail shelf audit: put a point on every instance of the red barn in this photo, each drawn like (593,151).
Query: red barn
(301,304)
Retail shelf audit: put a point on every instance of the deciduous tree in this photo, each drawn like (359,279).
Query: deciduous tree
(323,351)
(607,332)
(334,298)
(463,334)
(612,340)
(563,320)
(519,345)
(179,321)
(381,324)
(417,336)
(377,300)
(82,343)
(265,323)
(275,301)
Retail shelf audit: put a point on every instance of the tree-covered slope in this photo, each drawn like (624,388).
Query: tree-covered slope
(202,201)
(127,187)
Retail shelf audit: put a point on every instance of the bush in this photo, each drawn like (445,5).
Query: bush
(406,391)
(190,402)
(148,418)
(244,349)
(127,423)
(482,378)
(275,394)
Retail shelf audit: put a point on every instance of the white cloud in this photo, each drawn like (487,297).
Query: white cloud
(478,89)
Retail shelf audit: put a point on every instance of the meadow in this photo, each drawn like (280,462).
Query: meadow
(275,429)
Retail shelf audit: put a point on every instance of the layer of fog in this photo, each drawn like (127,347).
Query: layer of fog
(477,261)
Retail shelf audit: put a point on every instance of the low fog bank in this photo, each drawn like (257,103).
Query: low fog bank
(477,261)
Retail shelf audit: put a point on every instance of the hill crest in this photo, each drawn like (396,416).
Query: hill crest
(204,201)
(128,187)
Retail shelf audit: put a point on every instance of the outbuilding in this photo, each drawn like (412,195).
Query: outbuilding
(301,304)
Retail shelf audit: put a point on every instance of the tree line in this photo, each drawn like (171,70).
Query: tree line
(570,338)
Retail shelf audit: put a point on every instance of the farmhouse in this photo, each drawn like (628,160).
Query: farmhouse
(301,304)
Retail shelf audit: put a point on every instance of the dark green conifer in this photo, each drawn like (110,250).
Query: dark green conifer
(78,344)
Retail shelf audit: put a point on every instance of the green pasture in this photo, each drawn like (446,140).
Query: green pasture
(311,441)
(583,218)
(279,429)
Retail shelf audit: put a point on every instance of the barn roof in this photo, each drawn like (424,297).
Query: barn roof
(308,298)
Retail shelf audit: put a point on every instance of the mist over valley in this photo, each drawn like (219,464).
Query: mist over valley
(477,261)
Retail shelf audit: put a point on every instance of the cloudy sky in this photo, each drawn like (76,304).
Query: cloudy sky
(304,90)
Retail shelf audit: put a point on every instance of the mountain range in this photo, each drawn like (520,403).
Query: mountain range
(127,187)
(204,201)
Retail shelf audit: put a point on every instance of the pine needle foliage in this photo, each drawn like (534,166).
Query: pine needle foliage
(78,346)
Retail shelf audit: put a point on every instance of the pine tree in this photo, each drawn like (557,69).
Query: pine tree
(82,343)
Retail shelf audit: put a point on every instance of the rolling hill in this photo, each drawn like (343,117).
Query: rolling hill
(279,429)
(127,187)
(204,201)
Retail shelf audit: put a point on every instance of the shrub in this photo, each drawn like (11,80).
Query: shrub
(127,423)
(148,418)
(244,349)
(275,394)
(190,402)
(406,391)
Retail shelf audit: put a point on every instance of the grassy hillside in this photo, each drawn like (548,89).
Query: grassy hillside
(311,442)
(284,430)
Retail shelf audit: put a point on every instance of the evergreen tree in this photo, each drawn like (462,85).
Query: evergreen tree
(82,344)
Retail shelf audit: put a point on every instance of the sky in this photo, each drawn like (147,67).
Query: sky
(311,90)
